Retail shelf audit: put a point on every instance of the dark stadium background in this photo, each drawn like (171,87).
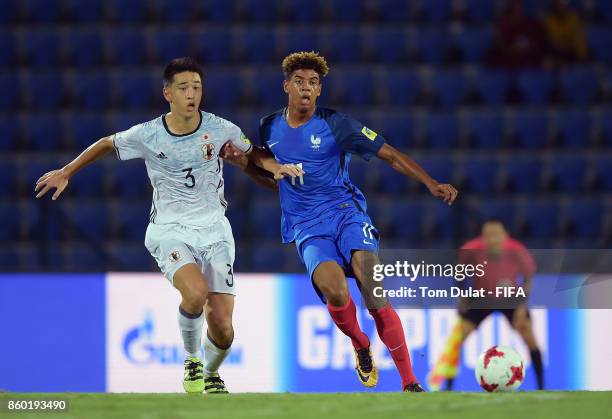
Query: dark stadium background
(529,146)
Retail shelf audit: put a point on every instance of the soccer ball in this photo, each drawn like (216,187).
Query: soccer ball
(500,368)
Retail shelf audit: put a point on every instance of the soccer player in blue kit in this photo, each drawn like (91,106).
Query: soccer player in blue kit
(324,214)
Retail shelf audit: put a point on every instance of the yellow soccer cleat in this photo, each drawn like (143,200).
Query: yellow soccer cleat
(193,380)
(366,369)
(215,385)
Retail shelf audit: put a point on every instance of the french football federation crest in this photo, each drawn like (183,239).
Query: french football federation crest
(316,142)
(208,150)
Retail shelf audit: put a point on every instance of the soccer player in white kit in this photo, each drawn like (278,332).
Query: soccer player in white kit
(188,234)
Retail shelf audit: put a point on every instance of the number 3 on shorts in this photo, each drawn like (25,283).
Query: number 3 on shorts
(229,281)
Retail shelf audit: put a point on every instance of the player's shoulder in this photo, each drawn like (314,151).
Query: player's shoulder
(338,121)
(328,113)
(269,119)
(210,121)
(474,244)
(147,128)
(334,118)
(151,123)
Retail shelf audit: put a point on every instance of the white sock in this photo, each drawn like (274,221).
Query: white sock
(191,330)
(213,356)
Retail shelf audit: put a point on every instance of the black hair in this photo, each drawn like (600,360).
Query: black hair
(179,65)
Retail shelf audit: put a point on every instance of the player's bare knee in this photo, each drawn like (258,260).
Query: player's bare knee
(335,291)
(193,305)
(194,298)
(192,286)
(336,296)
(370,298)
(330,280)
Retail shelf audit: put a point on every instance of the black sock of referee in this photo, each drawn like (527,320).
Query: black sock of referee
(449,384)
(536,360)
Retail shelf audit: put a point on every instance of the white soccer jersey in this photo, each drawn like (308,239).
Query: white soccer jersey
(186,171)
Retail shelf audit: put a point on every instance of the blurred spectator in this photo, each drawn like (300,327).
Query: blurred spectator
(520,40)
(565,33)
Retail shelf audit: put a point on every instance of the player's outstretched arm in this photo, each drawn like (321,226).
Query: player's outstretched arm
(232,155)
(59,178)
(263,159)
(407,166)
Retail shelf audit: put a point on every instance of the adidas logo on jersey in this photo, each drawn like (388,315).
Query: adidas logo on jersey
(161,156)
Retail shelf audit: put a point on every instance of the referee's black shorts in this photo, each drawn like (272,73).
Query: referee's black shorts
(477,315)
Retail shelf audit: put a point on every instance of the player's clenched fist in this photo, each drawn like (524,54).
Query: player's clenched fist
(289,169)
(446,191)
(233,155)
(55,179)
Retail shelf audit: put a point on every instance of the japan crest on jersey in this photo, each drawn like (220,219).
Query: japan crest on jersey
(208,149)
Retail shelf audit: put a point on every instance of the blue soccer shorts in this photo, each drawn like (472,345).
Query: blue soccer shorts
(335,238)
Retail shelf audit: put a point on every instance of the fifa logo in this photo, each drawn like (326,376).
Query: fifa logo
(316,142)
(208,151)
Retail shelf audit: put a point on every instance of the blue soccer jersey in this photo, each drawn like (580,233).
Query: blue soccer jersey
(323,147)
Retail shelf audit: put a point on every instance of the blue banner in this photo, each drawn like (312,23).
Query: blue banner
(52,332)
(54,338)
(319,358)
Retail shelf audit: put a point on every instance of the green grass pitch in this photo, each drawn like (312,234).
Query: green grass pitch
(518,405)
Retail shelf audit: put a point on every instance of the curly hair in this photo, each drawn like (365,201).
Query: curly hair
(304,61)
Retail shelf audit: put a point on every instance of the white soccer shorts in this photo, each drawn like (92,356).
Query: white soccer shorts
(211,248)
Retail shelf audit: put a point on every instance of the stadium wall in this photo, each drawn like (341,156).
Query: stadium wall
(117,332)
